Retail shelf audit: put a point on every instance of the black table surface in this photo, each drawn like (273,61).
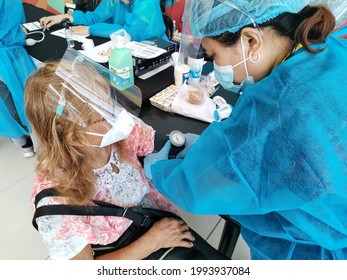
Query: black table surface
(53,48)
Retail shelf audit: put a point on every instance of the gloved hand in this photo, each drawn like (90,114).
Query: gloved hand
(190,139)
(152,158)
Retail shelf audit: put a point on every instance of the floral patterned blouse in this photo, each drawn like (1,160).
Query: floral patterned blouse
(66,236)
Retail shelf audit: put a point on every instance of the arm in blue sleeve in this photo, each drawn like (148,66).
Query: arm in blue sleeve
(103,29)
(246,165)
(102,13)
(145,21)
(207,181)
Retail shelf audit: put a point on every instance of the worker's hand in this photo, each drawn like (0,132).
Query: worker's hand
(80,30)
(170,232)
(190,139)
(47,22)
(152,158)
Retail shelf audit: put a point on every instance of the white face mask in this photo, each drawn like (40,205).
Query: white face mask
(120,130)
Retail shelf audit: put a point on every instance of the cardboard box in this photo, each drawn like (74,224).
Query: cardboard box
(163,99)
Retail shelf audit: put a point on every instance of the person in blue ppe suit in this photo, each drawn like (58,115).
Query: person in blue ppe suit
(278,165)
(142,19)
(16,66)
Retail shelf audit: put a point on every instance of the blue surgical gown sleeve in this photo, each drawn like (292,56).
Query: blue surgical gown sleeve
(142,19)
(278,165)
(16,66)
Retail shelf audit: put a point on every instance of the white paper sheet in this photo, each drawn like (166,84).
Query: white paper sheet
(31,26)
(137,49)
(144,51)
(203,112)
(96,53)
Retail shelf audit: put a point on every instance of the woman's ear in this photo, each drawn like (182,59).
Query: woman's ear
(71,139)
(252,40)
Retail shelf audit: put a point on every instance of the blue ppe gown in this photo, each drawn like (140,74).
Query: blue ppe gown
(142,19)
(278,165)
(15,66)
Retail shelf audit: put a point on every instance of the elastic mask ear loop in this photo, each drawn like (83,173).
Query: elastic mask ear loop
(94,134)
(244,57)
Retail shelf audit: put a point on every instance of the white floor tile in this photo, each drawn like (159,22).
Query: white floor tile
(241,251)
(19,239)
(214,237)
(13,165)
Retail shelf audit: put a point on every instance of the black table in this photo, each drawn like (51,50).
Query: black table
(53,48)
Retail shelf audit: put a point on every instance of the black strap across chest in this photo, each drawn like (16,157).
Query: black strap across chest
(100,209)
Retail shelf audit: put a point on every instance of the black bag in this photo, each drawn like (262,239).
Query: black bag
(143,219)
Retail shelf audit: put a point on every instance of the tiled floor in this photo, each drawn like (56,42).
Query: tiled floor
(20,241)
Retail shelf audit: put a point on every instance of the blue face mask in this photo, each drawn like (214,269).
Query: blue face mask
(225,75)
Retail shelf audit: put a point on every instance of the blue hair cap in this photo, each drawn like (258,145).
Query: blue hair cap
(211,18)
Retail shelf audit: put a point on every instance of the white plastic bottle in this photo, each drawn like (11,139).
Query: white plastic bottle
(121,64)
(194,74)
(195,62)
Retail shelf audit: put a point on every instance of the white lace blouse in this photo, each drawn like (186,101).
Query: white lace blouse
(66,236)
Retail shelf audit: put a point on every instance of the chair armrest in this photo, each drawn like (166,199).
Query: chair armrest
(230,235)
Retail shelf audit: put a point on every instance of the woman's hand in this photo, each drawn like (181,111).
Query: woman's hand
(47,22)
(166,233)
(170,232)
(80,30)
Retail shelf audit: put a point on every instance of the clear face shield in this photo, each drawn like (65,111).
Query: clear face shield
(81,92)
(209,18)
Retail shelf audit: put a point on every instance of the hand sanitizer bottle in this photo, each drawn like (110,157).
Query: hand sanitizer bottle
(68,34)
(121,61)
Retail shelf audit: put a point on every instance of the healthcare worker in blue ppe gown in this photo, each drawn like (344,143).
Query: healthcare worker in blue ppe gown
(142,19)
(15,67)
(278,164)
